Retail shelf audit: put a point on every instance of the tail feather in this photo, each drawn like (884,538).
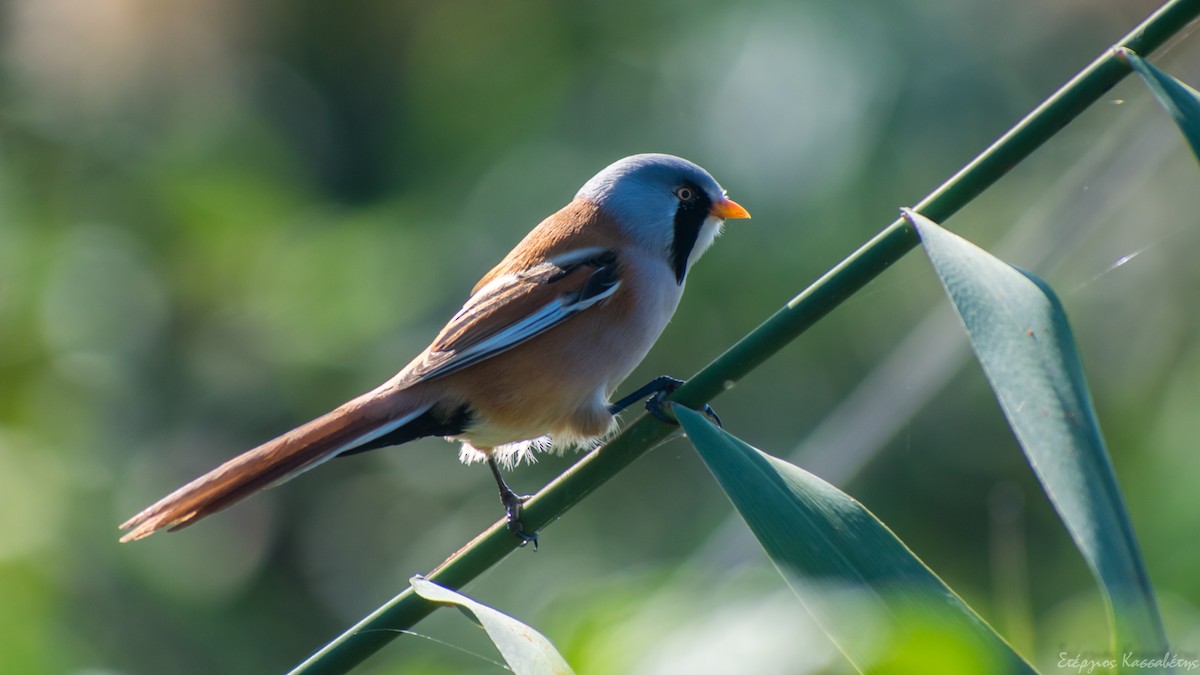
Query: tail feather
(351,425)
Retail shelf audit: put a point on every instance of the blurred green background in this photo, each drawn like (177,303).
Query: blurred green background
(219,219)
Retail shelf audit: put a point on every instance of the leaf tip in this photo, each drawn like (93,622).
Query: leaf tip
(917,220)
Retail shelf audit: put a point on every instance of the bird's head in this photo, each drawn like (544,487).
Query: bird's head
(665,203)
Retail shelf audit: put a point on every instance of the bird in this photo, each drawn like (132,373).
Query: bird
(534,354)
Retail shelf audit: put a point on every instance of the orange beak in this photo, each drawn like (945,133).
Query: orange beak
(727,208)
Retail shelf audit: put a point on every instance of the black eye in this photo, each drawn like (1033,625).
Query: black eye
(685,194)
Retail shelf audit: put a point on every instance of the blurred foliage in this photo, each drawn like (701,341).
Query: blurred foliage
(219,219)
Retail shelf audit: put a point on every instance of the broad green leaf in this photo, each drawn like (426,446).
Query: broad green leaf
(1180,100)
(1020,334)
(526,651)
(876,600)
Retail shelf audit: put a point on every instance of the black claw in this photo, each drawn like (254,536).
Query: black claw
(525,538)
(712,414)
(663,385)
(512,507)
(656,405)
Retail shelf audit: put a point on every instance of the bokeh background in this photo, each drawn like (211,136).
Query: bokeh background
(219,219)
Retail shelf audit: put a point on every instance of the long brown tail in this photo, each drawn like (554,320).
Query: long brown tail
(353,424)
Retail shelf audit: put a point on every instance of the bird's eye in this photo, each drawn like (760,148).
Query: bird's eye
(685,194)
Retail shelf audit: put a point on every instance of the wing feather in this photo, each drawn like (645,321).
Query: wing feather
(513,308)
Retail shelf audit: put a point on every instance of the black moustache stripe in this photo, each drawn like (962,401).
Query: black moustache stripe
(689,218)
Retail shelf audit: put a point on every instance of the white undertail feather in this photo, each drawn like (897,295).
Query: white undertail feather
(510,455)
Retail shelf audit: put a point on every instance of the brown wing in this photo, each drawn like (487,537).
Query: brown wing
(513,308)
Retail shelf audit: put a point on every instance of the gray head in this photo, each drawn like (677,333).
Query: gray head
(668,204)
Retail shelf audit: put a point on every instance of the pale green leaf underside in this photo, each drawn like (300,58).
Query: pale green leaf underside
(1180,100)
(526,651)
(1021,337)
(875,599)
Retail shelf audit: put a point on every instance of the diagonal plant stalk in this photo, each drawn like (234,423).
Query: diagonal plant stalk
(488,548)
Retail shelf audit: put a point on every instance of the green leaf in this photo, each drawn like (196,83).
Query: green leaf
(1180,100)
(878,602)
(526,651)
(1020,334)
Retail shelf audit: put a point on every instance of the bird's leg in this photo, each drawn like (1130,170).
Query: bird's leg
(512,506)
(660,384)
(661,387)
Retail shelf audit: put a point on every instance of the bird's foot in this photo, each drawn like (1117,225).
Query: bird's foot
(661,387)
(657,407)
(512,506)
